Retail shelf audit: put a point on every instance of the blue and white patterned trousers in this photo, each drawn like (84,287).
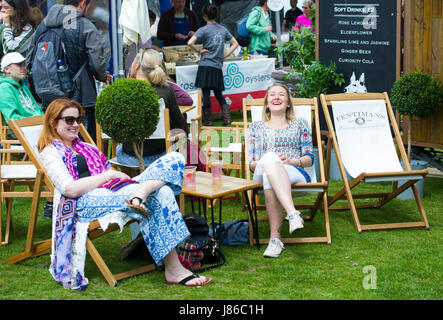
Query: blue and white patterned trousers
(165,227)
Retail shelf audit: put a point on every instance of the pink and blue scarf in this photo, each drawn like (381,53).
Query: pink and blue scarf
(66,218)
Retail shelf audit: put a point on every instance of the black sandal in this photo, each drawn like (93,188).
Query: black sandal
(137,208)
(184,281)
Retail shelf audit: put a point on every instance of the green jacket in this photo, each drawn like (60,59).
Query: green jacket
(256,24)
(16,100)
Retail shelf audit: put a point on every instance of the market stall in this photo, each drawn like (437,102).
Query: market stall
(243,79)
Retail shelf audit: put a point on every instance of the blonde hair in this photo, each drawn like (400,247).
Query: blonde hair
(290,114)
(52,114)
(310,3)
(151,66)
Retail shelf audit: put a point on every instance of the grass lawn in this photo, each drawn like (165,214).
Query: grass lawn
(397,264)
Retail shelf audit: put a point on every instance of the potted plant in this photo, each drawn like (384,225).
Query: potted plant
(311,76)
(416,94)
(128,111)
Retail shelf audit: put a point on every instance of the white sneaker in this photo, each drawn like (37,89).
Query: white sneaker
(295,221)
(274,249)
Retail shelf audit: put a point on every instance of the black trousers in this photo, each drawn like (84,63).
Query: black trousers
(207,97)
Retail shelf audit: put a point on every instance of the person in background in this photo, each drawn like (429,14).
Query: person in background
(259,25)
(291,15)
(148,44)
(16,100)
(177,24)
(37,16)
(83,44)
(86,191)
(183,98)
(280,146)
(210,74)
(147,67)
(90,48)
(18,25)
(305,19)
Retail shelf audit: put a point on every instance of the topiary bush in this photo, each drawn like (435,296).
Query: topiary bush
(416,94)
(128,112)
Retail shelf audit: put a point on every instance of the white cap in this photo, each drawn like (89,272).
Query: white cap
(12,57)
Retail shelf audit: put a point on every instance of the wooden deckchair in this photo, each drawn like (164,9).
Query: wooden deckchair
(369,118)
(28,131)
(308,108)
(12,175)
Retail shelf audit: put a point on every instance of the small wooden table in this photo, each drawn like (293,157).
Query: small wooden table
(209,189)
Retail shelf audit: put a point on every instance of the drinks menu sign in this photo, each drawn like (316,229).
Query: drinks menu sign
(360,37)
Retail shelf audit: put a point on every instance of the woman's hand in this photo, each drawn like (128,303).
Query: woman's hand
(113,174)
(5,18)
(81,186)
(180,36)
(252,165)
(288,161)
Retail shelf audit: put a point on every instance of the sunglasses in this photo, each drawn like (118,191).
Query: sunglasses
(304,7)
(70,120)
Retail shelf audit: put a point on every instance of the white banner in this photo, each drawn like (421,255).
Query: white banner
(364,137)
(239,76)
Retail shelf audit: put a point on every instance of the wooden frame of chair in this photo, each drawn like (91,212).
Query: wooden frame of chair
(8,143)
(7,189)
(346,191)
(3,128)
(319,187)
(195,123)
(103,140)
(235,150)
(35,249)
(7,192)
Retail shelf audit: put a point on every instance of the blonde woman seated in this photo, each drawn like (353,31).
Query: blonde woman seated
(88,190)
(147,66)
(280,146)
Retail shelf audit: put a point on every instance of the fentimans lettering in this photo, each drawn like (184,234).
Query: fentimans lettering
(358,114)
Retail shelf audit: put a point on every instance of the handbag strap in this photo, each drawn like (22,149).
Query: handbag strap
(205,242)
(221,261)
(80,70)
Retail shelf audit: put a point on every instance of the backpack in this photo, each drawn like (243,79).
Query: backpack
(232,233)
(48,50)
(200,251)
(244,38)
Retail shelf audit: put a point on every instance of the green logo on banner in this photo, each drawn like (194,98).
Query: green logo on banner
(233,77)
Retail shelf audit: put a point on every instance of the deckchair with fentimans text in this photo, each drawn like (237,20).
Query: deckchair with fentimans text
(360,133)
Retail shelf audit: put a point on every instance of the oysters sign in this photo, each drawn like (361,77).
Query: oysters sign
(242,79)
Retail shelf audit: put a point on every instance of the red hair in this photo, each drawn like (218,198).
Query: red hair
(52,114)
